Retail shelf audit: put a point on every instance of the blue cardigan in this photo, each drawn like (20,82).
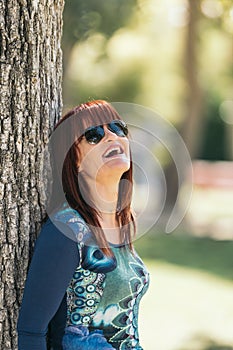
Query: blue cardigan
(54,261)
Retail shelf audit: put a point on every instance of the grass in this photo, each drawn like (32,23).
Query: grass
(181,249)
(189,305)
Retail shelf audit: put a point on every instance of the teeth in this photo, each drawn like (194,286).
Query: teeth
(115,150)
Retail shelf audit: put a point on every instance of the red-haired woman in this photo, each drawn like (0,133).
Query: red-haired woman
(85,280)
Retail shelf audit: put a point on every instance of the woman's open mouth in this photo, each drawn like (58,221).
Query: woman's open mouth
(113,151)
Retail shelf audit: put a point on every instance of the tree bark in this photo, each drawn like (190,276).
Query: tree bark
(30,104)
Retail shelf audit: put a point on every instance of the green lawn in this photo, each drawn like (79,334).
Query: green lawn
(179,248)
(189,305)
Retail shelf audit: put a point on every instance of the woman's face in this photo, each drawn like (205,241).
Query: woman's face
(108,158)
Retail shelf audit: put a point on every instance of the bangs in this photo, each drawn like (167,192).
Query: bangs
(93,114)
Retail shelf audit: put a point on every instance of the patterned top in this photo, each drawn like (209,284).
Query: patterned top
(106,295)
(75,296)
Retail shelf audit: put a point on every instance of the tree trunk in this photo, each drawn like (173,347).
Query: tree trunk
(30,104)
(193,126)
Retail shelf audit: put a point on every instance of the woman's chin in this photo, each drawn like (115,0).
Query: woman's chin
(115,165)
(118,163)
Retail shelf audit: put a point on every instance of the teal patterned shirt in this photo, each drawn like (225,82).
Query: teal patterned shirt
(75,296)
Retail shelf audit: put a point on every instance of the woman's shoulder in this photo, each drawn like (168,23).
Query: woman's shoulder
(69,219)
(55,231)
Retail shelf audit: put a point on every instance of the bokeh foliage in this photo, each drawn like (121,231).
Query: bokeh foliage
(138,51)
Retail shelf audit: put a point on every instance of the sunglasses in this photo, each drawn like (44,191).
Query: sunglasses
(94,134)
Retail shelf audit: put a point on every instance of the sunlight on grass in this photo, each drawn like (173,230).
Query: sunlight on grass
(205,216)
(184,305)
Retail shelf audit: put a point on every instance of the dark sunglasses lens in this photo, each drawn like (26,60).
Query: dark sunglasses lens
(94,135)
(119,128)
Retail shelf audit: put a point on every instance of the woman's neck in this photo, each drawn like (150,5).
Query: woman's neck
(105,197)
(110,227)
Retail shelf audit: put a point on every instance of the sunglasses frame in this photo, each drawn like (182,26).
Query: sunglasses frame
(123,129)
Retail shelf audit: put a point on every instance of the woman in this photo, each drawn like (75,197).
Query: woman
(85,280)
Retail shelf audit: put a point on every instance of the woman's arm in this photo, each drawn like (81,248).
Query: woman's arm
(54,261)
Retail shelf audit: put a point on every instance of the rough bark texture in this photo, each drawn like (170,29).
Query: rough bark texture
(30,104)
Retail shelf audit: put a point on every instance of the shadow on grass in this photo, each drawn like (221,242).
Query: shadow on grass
(217,347)
(202,343)
(201,253)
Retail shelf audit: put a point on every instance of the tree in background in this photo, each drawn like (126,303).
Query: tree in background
(193,123)
(207,80)
(30,99)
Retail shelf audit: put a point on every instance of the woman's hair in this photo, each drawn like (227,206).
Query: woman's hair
(73,184)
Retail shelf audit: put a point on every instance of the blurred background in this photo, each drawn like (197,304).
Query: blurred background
(174,57)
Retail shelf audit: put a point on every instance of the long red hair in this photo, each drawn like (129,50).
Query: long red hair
(96,112)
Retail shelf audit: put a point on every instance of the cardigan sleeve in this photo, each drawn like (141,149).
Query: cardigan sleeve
(55,259)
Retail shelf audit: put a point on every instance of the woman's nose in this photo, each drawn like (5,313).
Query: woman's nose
(109,135)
